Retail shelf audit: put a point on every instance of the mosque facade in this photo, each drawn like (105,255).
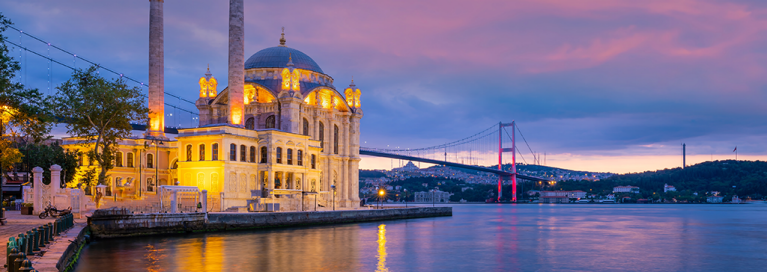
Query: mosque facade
(279,133)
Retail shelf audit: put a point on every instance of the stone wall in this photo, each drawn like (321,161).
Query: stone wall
(113,223)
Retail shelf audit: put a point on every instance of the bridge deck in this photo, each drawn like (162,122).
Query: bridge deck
(452,164)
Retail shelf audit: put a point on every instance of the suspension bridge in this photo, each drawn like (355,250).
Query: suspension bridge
(477,152)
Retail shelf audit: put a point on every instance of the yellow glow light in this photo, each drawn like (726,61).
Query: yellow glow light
(285,79)
(249,93)
(295,79)
(208,87)
(236,115)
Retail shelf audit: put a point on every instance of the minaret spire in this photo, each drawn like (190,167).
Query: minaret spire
(282,39)
(156,128)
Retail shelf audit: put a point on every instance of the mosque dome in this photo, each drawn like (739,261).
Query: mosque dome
(278,57)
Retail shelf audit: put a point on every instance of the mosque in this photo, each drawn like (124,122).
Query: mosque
(279,133)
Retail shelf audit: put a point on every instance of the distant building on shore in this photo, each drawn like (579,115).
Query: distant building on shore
(626,189)
(668,188)
(567,194)
(435,196)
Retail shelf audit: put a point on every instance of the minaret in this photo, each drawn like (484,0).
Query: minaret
(156,127)
(236,62)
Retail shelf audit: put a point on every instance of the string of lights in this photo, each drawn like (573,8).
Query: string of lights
(72,68)
(75,56)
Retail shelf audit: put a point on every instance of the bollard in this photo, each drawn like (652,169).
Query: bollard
(26,266)
(11,257)
(22,242)
(35,240)
(43,238)
(45,234)
(30,244)
(18,261)
(11,244)
(50,232)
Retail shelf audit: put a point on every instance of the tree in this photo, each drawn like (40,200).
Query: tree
(46,155)
(98,113)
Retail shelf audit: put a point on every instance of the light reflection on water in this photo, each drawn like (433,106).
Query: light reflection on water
(477,237)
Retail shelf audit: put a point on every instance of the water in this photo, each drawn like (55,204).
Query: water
(492,237)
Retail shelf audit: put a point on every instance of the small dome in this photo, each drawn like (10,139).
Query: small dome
(278,57)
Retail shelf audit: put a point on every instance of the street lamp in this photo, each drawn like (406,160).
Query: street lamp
(333,187)
(405,197)
(381,194)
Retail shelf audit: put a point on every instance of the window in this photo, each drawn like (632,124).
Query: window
(130,159)
(202,152)
(81,160)
(279,155)
(322,135)
(306,127)
(290,156)
(335,139)
(263,154)
(233,152)
(250,123)
(119,159)
(270,122)
(314,161)
(214,152)
(188,152)
(150,160)
(300,158)
(252,154)
(243,153)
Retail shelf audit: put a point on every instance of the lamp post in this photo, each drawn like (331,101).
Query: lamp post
(381,194)
(333,187)
(156,161)
(405,197)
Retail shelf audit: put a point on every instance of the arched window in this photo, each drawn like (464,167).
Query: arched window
(233,152)
(270,122)
(250,123)
(278,154)
(150,160)
(335,139)
(130,159)
(300,157)
(214,152)
(322,135)
(119,159)
(314,161)
(202,152)
(290,156)
(252,154)
(264,155)
(306,127)
(188,152)
(243,153)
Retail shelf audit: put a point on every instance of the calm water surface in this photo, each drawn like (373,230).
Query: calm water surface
(477,238)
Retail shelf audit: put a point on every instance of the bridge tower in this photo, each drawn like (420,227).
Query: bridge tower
(501,125)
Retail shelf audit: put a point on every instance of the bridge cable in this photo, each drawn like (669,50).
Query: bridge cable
(528,145)
(515,149)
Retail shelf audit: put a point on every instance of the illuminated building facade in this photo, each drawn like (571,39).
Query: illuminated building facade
(283,134)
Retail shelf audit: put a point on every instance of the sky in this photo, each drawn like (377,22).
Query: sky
(597,85)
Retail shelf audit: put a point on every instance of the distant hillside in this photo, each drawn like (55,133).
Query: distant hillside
(731,177)
(371,174)
(743,178)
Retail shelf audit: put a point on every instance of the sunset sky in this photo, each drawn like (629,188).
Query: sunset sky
(598,85)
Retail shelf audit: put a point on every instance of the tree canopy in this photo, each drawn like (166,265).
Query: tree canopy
(99,112)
